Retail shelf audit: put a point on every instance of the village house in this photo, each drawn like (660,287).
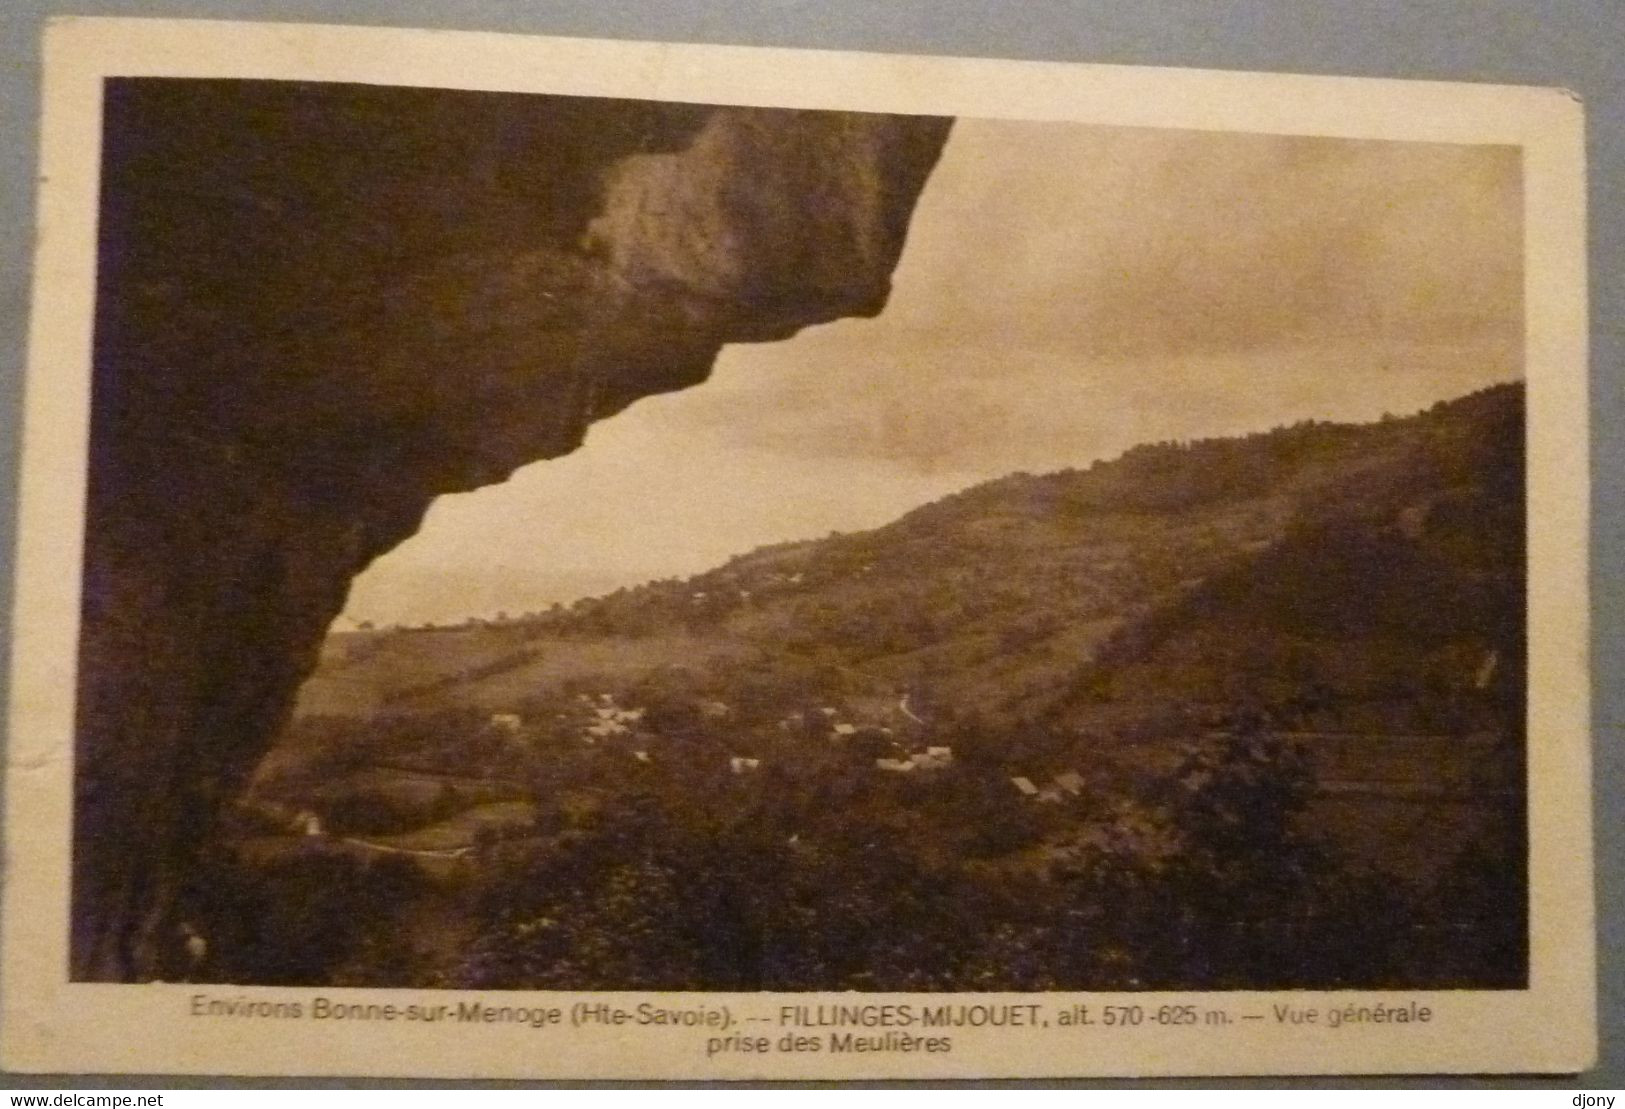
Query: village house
(932,758)
(610,719)
(1053,791)
(603,729)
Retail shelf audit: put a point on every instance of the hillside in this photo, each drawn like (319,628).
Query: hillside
(995,601)
(1262,686)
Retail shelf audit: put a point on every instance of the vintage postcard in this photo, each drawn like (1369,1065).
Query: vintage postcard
(550,558)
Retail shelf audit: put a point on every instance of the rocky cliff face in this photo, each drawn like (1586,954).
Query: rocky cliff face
(321,306)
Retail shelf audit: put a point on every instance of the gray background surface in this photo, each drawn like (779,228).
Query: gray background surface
(1570,43)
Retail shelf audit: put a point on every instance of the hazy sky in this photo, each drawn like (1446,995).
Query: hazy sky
(1066,292)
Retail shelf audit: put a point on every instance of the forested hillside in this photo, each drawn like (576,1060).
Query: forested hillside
(1240,712)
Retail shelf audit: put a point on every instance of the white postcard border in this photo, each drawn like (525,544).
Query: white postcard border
(48,1024)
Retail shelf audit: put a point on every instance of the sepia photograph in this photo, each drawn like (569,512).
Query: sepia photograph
(548,541)
(1134,600)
